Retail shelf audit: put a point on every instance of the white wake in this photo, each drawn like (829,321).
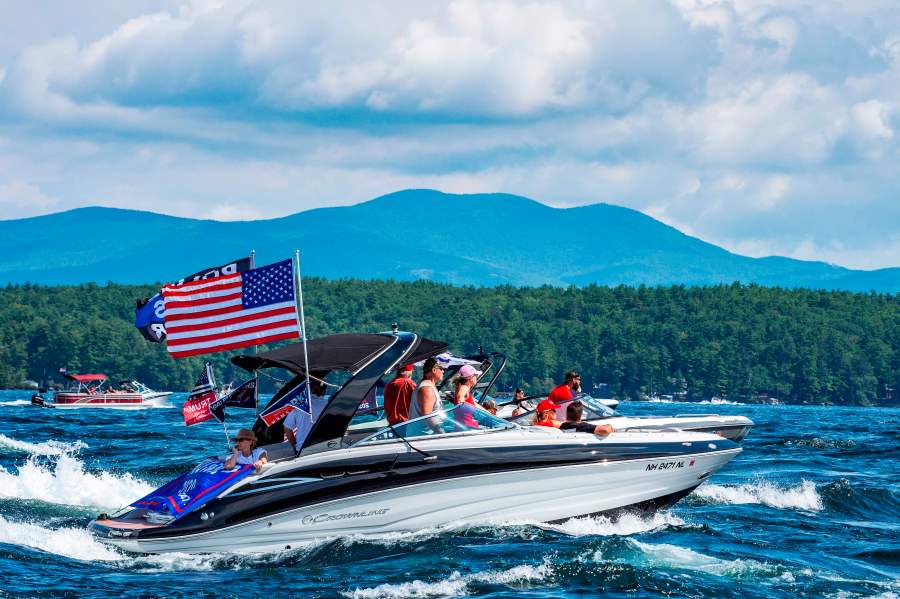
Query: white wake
(50,447)
(624,525)
(673,556)
(456,584)
(76,543)
(66,482)
(803,496)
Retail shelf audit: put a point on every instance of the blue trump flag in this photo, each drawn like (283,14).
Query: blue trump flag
(295,399)
(205,482)
(148,318)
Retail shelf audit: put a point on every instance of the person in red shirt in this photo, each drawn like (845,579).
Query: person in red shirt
(397,395)
(545,414)
(567,390)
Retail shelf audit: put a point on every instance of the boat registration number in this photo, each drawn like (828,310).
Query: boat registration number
(669,465)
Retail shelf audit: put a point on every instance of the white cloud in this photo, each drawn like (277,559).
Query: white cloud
(751,123)
(20,199)
(229,211)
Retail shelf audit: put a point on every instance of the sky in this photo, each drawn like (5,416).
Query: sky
(768,128)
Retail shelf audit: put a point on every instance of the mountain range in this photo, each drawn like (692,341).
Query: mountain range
(476,239)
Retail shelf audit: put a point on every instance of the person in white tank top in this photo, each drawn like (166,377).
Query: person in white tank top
(426,399)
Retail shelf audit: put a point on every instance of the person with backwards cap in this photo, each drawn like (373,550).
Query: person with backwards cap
(397,395)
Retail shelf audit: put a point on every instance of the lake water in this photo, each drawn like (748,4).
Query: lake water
(810,508)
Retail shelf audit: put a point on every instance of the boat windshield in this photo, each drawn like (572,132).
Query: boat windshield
(594,408)
(456,419)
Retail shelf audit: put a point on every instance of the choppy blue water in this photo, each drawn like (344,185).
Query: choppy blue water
(811,508)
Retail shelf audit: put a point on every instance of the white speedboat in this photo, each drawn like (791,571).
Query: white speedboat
(427,472)
(147,394)
(735,428)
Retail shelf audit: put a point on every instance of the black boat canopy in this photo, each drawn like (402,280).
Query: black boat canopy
(346,351)
(366,357)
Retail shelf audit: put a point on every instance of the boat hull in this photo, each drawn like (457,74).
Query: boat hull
(544,494)
(733,428)
(97,400)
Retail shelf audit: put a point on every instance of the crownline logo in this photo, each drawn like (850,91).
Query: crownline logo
(326,517)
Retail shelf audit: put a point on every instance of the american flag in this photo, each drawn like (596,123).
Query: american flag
(196,408)
(228,312)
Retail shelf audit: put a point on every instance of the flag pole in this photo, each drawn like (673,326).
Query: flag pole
(302,324)
(256,392)
(255,347)
(215,385)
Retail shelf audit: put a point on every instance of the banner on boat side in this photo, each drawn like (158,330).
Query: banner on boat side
(233,311)
(242,397)
(190,491)
(148,313)
(196,408)
(295,399)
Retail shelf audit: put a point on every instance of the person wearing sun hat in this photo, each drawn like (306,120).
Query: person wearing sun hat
(397,395)
(246,452)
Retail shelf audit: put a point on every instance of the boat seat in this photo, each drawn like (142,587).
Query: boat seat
(279,451)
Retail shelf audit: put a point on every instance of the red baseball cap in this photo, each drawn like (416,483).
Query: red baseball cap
(407,368)
(547,405)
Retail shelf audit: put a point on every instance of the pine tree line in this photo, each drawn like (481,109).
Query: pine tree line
(741,342)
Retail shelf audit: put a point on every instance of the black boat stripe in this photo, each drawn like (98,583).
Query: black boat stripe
(380,477)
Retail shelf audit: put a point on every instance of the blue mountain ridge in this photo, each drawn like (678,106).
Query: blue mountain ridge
(475,239)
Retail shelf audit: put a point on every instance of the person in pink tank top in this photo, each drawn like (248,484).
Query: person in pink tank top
(465,382)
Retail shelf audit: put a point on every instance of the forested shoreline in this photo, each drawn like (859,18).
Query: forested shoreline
(740,342)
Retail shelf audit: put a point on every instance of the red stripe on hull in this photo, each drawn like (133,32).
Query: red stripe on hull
(84,399)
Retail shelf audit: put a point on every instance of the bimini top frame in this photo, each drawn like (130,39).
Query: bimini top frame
(366,357)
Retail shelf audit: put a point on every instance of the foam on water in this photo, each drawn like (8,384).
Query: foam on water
(173,562)
(673,556)
(456,584)
(50,447)
(624,525)
(803,496)
(76,543)
(66,482)
(720,402)
(16,402)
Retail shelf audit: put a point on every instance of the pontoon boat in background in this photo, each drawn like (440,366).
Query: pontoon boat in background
(426,472)
(94,391)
